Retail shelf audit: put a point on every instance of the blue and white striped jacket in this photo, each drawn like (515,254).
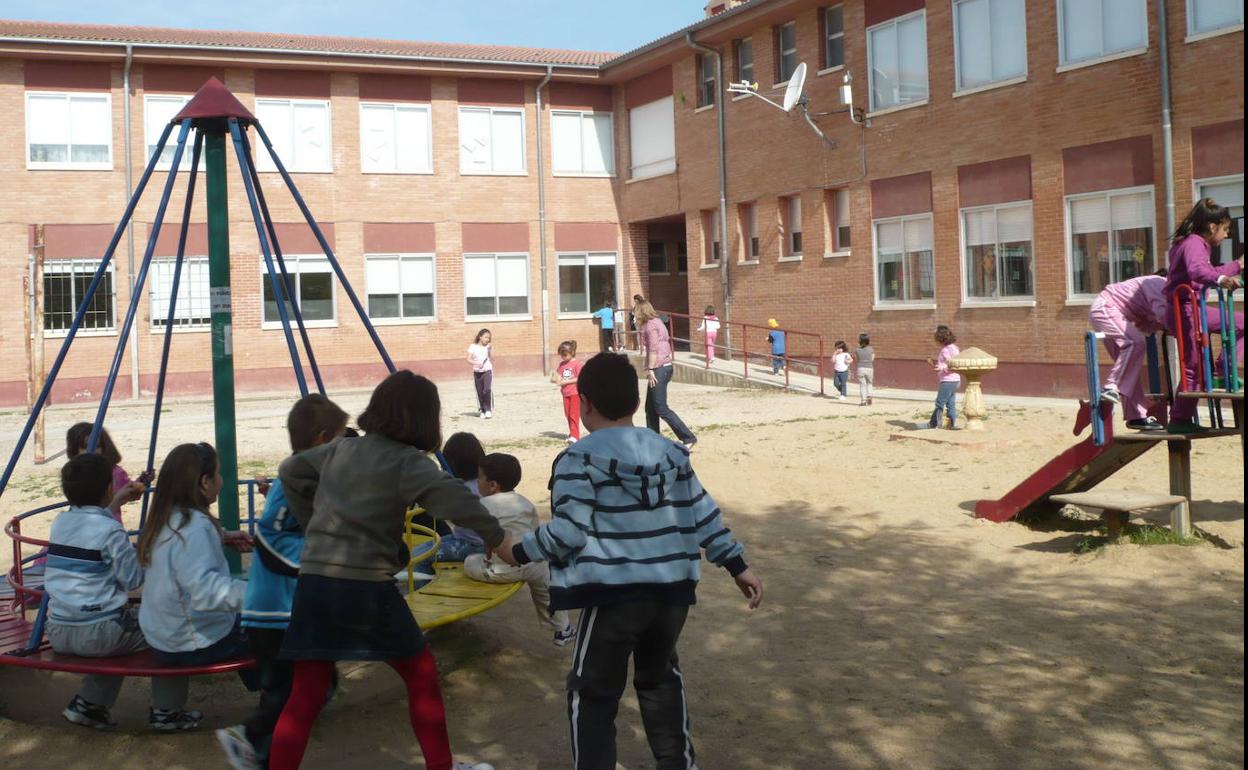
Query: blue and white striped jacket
(91,565)
(629,521)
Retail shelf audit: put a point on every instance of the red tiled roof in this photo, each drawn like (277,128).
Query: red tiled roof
(157,36)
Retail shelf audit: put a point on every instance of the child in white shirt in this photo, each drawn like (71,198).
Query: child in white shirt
(840,368)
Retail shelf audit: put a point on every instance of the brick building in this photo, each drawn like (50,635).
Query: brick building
(1010,161)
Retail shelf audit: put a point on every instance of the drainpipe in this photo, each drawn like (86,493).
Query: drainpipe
(724,285)
(541,224)
(125,108)
(1167,133)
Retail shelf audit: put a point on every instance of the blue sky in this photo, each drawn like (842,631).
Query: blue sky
(596,25)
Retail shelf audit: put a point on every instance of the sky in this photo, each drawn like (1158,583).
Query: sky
(590,25)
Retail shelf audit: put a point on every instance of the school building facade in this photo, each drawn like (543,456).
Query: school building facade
(1005,160)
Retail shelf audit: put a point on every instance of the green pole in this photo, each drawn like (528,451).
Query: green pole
(222,335)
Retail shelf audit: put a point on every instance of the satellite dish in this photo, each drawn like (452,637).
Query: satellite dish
(794,91)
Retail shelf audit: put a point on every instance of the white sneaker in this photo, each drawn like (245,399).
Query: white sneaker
(487,415)
(1112,396)
(238,750)
(567,635)
(571,440)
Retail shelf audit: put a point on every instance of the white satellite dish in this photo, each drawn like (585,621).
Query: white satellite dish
(794,91)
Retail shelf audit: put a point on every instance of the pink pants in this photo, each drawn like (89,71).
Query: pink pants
(1126,347)
(710,344)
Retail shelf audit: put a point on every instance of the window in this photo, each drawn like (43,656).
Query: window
(682,257)
(656,258)
(743,56)
(69,131)
(905,268)
(1229,192)
(705,66)
(395,139)
(399,286)
(652,138)
(585,281)
(747,215)
(1211,15)
(897,61)
(299,130)
(65,284)
(491,141)
(791,211)
(990,40)
(786,51)
(833,37)
(997,251)
(1093,29)
(193,310)
(582,143)
(496,284)
(313,285)
(836,213)
(158,111)
(710,235)
(1111,238)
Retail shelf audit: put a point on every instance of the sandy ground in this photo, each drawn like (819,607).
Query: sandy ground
(897,631)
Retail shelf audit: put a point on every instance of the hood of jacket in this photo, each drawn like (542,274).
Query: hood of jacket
(642,464)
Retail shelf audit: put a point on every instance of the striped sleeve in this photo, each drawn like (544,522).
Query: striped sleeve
(571,516)
(721,548)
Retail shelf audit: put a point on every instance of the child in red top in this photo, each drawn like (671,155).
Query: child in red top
(565,376)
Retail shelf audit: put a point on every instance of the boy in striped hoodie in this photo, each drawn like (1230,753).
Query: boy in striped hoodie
(629,523)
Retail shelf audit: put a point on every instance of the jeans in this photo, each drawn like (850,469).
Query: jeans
(777,363)
(656,407)
(842,382)
(606,339)
(456,548)
(276,677)
(947,399)
(232,645)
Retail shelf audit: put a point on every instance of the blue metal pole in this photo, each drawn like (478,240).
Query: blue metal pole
(1094,388)
(82,309)
(1206,357)
(279,291)
(131,311)
(329,252)
(1231,342)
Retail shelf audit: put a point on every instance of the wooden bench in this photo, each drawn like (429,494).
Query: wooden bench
(1117,506)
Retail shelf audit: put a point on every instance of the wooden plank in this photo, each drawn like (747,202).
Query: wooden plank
(1158,436)
(1119,500)
(1221,395)
(1180,468)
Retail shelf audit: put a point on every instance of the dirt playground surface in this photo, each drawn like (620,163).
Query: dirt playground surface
(897,631)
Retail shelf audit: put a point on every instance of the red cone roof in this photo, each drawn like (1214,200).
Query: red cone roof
(213,100)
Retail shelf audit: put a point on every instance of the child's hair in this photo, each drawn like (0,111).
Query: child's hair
(571,344)
(638,298)
(480,334)
(643,311)
(177,486)
(502,469)
(567,347)
(405,408)
(710,310)
(840,345)
(945,335)
(463,452)
(608,302)
(76,439)
(1205,214)
(608,381)
(864,339)
(312,416)
(85,479)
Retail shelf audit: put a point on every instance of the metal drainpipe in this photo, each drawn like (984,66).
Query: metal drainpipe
(541,224)
(1167,132)
(125,108)
(725,285)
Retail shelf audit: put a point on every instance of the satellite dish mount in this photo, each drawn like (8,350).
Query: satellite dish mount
(793,97)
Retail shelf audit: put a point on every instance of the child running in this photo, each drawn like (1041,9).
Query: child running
(479,355)
(629,522)
(840,368)
(709,327)
(463,453)
(947,380)
(498,478)
(76,440)
(314,420)
(564,376)
(865,356)
(347,605)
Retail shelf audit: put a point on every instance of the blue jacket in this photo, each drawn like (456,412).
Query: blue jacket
(776,338)
(606,317)
(629,521)
(274,564)
(91,565)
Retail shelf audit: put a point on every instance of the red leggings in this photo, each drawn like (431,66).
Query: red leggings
(572,411)
(307,697)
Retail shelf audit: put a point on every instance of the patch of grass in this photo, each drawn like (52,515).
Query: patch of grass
(1147,534)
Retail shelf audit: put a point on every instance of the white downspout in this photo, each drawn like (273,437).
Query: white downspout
(541,224)
(125,108)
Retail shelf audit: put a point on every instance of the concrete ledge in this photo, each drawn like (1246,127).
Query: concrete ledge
(693,374)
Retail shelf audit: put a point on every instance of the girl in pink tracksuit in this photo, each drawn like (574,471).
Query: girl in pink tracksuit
(1125,312)
(1205,226)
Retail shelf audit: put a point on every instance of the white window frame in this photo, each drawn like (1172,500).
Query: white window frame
(737,45)
(782,79)
(1086,299)
(524,141)
(874,109)
(265,164)
(586,117)
(1020,300)
(401,257)
(149,141)
(84,267)
(659,166)
(1063,64)
(295,270)
(704,69)
(69,165)
(1197,184)
(423,107)
(900,304)
(787,252)
(587,256)
(528,288)
(711,235)
(200,299)
(828,38)
(960,89)
(1194,34)
(748,213)
(834,247)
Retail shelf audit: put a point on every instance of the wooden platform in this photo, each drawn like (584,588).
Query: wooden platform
(1116,506)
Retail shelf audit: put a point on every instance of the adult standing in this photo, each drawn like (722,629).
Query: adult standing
(656,350)
(1125,312)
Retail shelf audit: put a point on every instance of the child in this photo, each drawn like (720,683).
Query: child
(463,452)
(776,338)
(629,521)
(948,381)
(1125,312)
(90,567)
(347,605)
(710,326)
(483,372)
(564,376)
(313,420)
(840,368)
(622,318)
(497,480)
(76,440)
(605,318)
(190,602)
(865,356)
